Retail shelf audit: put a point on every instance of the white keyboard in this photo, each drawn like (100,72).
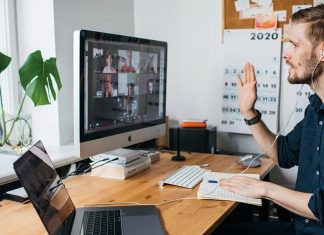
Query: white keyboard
(186,176)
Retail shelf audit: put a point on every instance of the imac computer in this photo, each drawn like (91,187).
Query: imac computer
(119,91)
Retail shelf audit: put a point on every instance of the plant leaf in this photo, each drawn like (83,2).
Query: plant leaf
(36,77)
(4,61)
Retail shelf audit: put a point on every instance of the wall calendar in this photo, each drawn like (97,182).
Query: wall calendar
(262,48)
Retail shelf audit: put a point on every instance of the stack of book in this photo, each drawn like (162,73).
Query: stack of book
(194,123)
(122,168)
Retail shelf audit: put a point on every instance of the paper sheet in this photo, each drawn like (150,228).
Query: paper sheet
(265,3)
(282,15)
(242,5)
(262,48)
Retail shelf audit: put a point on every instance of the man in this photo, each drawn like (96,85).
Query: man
(128,67)
(107,85)
(304,146)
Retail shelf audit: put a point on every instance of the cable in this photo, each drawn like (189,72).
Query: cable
(277,135)
(312,80)
(106,160)
(192,198)
(142,204)
(291,114)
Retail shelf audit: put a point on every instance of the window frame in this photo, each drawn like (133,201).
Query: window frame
(11,94)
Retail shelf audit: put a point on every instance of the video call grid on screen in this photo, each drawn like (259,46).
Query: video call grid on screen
(124,84)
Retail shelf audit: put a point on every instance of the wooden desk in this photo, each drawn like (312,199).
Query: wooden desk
(180,217)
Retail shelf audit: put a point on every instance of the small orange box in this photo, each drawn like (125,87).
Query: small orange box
(193,124)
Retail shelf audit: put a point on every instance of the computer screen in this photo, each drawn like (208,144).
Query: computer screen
(120,90)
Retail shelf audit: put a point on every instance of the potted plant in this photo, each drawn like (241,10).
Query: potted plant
(40,80)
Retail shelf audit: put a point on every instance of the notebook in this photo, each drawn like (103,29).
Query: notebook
(55,208)
(213,191)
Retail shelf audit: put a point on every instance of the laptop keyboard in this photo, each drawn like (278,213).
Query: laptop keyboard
(102,222)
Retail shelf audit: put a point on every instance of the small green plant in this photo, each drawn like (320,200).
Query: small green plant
(37,78)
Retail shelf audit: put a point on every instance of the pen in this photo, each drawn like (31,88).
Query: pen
(212,181)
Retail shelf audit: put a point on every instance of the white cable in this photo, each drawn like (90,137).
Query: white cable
(138,203)
(192,198)
(279,132)
(314,72)
(242,172)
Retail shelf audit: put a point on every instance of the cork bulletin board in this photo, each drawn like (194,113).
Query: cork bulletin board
(231,18)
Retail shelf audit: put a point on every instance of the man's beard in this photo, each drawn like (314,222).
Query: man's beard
(307,78)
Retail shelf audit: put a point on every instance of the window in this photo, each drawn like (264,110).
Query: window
(8,45)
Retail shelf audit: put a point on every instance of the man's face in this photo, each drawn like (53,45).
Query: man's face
(107,82)
(300,56)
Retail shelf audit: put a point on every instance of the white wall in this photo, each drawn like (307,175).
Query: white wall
(193,32)
(48,25)
(195,64)
(195,54)
(113,16)
(195,59)
(35,25)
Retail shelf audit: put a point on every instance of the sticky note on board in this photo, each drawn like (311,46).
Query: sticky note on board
(241,5)
(265,3)
(282,15)
(254,10)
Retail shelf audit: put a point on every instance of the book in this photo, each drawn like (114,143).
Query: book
(194,123)
(209,190)
(113,170)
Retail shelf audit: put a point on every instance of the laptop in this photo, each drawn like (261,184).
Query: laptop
(55,208)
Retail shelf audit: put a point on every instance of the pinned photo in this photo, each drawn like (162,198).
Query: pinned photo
(268,21)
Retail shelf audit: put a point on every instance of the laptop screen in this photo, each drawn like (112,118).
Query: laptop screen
(44,187)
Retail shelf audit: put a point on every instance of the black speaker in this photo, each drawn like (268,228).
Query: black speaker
(201,140)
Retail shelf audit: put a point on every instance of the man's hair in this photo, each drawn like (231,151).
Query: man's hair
(315,17)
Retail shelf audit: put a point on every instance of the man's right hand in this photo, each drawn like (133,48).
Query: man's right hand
(247,92)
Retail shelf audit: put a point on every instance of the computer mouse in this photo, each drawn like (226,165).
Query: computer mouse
(247,159)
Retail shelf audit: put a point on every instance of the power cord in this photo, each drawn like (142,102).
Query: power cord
(142,204)
(91,167)
(279,132)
